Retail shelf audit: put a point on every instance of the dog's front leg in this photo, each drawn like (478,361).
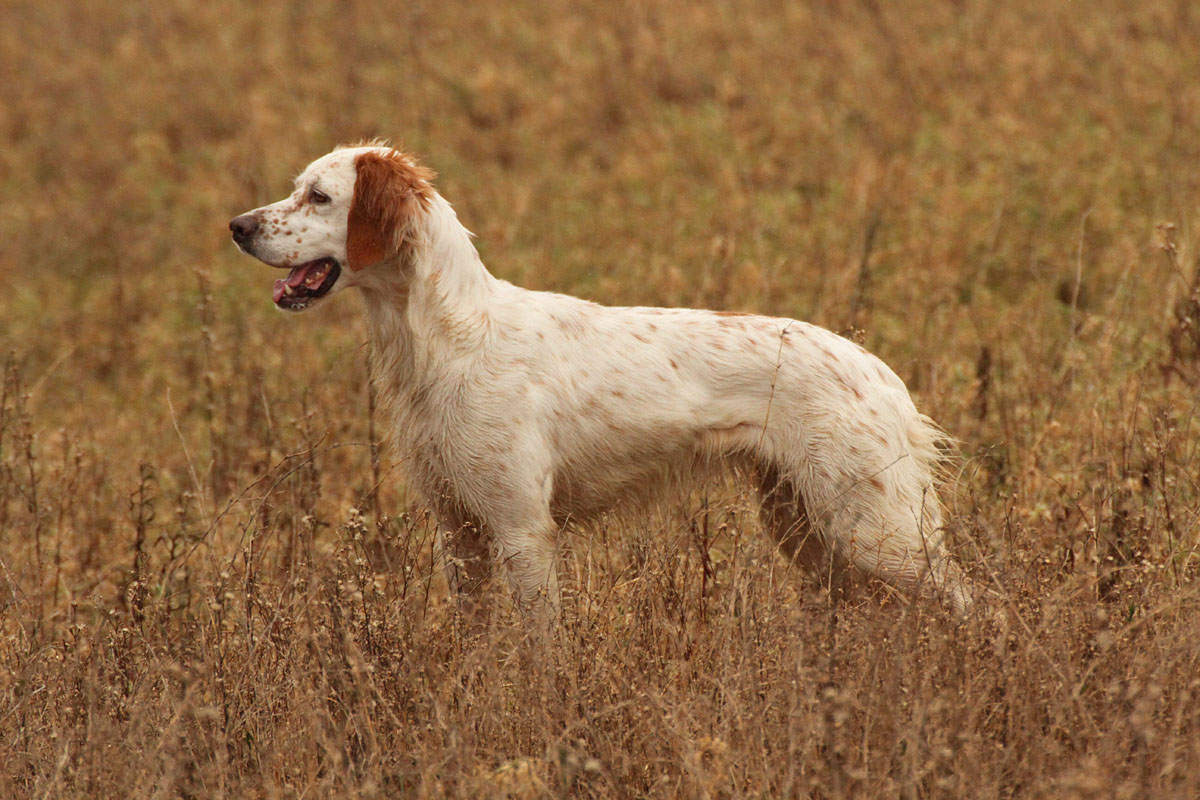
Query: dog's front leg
(468,564)
(528,556)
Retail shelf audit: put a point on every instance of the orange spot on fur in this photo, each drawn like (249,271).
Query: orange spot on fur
(849,387)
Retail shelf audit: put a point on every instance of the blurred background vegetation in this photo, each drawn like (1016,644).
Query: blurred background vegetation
(1000,199)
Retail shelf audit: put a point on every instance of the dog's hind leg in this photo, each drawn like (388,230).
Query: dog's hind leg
(785,517)
(889,526)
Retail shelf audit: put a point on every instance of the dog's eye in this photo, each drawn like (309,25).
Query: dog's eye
(318,197)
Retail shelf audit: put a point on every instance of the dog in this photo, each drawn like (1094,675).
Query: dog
(518,412)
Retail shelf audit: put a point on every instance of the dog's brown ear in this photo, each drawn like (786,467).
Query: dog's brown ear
(389,191)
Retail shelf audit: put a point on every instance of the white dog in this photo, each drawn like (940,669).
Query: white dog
(518,411)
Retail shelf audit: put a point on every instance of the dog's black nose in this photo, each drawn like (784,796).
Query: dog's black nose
(243,227)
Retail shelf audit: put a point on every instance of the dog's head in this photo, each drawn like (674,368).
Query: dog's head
(352,209)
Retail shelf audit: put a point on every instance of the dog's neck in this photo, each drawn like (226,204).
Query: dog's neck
(429,304)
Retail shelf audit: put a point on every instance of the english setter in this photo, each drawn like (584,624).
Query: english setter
(520,411)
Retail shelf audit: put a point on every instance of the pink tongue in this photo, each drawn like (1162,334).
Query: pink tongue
(294,279)
(298,274)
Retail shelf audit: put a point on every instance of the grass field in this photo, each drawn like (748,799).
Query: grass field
(211,587)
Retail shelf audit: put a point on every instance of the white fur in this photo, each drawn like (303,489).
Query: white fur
(517,412)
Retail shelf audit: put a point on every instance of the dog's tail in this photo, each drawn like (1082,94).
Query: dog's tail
(934,452)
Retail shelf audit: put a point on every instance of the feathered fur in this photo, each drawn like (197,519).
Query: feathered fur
(517,412)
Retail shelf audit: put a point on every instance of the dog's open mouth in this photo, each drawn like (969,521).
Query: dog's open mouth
(305,283)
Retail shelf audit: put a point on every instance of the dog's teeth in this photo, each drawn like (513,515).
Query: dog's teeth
(288,289)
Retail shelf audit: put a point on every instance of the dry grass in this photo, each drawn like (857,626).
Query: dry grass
(204,595)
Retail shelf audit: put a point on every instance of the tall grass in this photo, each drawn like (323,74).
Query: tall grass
(211,585)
